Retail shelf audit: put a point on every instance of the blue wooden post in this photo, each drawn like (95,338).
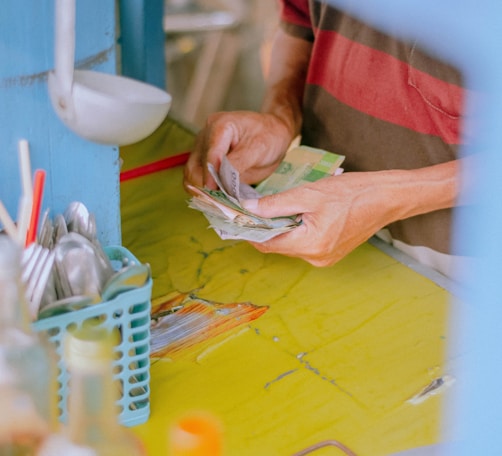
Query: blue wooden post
(142,40)
(76,169)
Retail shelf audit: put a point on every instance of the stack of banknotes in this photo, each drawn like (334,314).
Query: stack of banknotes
(230,220)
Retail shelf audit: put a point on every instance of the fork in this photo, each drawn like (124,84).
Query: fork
(36,264)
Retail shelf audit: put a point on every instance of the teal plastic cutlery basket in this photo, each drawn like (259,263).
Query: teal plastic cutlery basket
(130,313)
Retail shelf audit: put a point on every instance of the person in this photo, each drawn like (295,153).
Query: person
(394,111)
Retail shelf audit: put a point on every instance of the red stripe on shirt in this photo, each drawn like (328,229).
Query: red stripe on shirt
(296,12)
(352,73)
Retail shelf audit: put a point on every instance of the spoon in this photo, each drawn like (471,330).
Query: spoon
(100,107)
(79,220)
(76,216)
(64,306)
(127,278)
(81,269)
(60,228)
(45,237)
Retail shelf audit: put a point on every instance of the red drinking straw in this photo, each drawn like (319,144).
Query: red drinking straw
(159,165)
(38,191)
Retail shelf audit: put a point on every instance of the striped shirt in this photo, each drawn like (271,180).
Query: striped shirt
(381,102)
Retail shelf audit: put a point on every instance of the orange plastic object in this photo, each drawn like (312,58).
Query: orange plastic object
(196,434)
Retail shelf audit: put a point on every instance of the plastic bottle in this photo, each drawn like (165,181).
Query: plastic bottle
(28,385)
(93,428)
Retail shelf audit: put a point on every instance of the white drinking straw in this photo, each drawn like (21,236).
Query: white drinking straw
(7,223)
(23,218)
(26,201)
(25,167)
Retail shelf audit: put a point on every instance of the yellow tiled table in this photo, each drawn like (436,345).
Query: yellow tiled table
(337,355)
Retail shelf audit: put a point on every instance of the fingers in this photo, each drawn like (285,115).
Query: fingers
(254,142)
(192,174)
(211,144)
(317,239)
(300,243)
(282,243)
(289,202)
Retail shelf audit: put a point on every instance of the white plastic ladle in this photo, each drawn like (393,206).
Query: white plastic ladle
(104,108)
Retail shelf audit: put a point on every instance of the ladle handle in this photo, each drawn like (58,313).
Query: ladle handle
(65,45)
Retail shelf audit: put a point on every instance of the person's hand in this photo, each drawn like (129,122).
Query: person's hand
(254,143)
(339,213)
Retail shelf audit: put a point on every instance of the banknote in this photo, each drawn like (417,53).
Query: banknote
(301,165)
(223,209)
(214,202)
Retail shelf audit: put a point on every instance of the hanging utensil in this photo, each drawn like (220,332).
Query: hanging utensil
(100,107)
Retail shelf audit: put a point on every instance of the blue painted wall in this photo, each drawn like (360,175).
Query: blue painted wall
(142,40)
(76,169)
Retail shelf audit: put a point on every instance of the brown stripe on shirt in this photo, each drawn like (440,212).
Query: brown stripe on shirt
(383,103)
(371,144)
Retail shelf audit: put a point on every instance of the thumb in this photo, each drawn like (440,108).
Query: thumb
(278,205)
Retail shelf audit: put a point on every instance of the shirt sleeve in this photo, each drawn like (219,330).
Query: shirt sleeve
(295,18)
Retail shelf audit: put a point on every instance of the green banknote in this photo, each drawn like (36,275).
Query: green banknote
(301,165)
(222,207)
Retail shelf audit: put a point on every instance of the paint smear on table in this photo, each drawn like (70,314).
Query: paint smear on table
(437,386)
(182,320)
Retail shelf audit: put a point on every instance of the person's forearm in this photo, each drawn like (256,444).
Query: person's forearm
(286,80)
(407,193)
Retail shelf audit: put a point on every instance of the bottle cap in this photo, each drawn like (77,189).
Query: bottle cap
(196,434)
(90,347)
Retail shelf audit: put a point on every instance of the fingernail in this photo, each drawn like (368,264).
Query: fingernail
(250,204)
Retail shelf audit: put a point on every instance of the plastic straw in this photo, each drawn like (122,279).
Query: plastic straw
(23,218)
(159,165)
(38,191)
(7,222)
(25,167)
